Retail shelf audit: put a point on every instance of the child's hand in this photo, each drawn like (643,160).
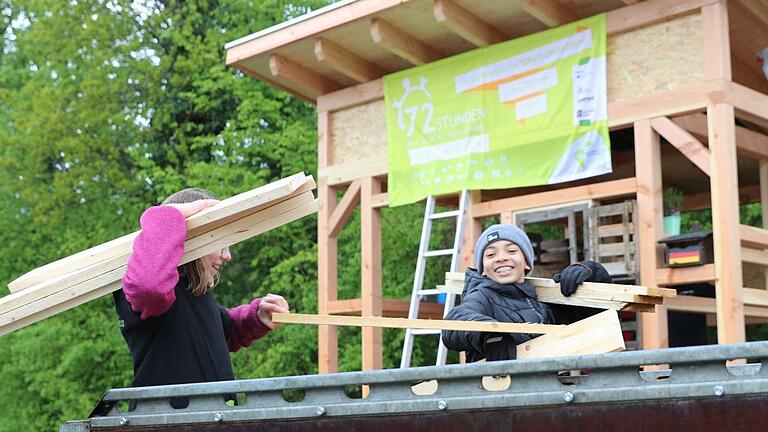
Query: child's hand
(269,304)
(190,208)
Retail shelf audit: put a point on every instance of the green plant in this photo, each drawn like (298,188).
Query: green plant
(673,200)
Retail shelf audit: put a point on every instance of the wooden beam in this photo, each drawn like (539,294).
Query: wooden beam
(650,12)
(707,306)
(344,173)
(649,214)
(748,142)
(689,146)
(344,208)
(462,22)
(755,297)
(346,62)
(597,334)
(351,96)
(764,201)
(613,188)
(391,308)
(717,45)
(226,211)
(472,230)
(380,200)
(551,12)
(402,44)
(303,77)
(757,9)
(755,256)
(747,194)
(685,275)
(404,323)
(751,102)
(753,237)
(327,251)
(725,223)
(370,271)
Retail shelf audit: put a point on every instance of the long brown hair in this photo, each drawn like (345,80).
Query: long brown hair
(197,274)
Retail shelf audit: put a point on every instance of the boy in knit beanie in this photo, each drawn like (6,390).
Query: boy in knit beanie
(497,291)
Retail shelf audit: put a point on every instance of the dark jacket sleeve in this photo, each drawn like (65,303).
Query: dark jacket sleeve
(474,307)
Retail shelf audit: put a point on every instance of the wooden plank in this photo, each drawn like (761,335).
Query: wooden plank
(611,249)
(649,218)
(707,305)
(550,12)
(345,173)
(351,96)
(401,43)
(380,200)
(110,281)
(472,230)
(597,334)
(689,146)
(764,201)
(193,249)
(755,297)
(685,275)
(228,210)
(370,272)
(380,322)
(606,189)
(615,230)
(725,222)
(301,76)
(346,62)
(757,9)
(465,24)
(344,209)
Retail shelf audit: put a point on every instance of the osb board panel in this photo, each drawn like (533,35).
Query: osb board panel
(661,57)
(658,58)
(359,132)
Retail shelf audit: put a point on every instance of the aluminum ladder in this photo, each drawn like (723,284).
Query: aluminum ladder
(419,292)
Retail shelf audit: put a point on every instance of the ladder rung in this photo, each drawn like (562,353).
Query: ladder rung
(425,331)
(439,252)
(427,292)
(452,213)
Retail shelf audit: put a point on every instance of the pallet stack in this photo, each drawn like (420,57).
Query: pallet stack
(97,271)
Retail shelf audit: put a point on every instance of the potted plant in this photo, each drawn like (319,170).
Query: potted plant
(673,203)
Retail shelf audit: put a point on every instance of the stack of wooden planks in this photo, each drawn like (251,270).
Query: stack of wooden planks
(634,298)
(97,271)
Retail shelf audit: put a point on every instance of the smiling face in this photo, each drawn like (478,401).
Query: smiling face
(504,262)
(212,263)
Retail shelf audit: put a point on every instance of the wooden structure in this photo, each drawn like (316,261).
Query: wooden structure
(681,72)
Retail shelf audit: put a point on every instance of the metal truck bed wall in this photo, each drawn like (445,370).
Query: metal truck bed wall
(697,391)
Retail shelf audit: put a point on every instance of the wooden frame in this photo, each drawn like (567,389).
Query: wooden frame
(677,114)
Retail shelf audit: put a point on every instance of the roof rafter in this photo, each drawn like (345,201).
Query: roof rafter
(346,62)
(550,12)
(465,24)
(301,76)
(401,43)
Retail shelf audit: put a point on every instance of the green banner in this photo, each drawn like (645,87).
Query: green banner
(525,112)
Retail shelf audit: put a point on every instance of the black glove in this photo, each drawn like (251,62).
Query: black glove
(586,271)
(499,346)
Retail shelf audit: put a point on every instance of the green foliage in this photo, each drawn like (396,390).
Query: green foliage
(673,200)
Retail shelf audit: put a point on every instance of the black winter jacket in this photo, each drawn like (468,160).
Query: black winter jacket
(486,300)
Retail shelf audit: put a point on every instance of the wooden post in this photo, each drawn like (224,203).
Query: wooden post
(764,200)
(471,232)
(725,224)
(654,327)
(327,256)
(370,243)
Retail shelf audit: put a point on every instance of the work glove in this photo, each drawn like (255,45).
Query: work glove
(586,271)
(499,346)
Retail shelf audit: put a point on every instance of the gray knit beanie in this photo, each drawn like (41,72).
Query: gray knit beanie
(503,232)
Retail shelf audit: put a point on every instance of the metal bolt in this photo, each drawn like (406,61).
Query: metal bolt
(320,410)
(442,405)
(123,421)
(218,417)
(719,390)
(568,397)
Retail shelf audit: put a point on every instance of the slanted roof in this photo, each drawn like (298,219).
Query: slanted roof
(356,41)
